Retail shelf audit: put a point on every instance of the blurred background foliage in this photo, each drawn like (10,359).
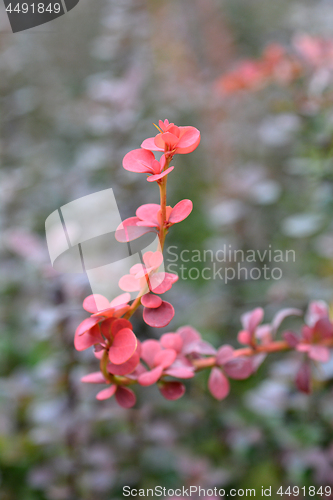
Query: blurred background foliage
(75,97)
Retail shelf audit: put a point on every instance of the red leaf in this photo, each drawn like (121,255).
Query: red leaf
(86,325)
(303,378)
(123,346)
(180,372)
(159,317)
(125,397)
(139,160)
(218,384)
(151,301)
(120,324)
(125,368)
(172,390)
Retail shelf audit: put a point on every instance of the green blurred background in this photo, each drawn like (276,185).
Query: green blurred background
(75,98)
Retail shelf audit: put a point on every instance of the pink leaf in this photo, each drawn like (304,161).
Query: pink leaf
(319,353)
(106,393)
(188,334)
(149,212)
(238,368)
(199,347)
(149,349)
(94,378)
(88,339)
(150,377)
(252,319)
(150,145)
(162,282)
(291,338)
(139,160)
(172,341)
(129,283)
(151,301)
(86,325)
(181,211)
(157,177)
(165,358)
(189,140)
(125,397)
(119,324)
(172,390)
(180,372)
(122,299)
(123,346)
(244,337)
(224,354)
(128,230)
(159,317)
(125,368)
(95,302)
(218,384)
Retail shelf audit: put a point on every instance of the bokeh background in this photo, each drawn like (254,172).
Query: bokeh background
(75,98)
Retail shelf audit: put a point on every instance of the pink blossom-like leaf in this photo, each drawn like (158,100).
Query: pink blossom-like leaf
(218,384)
(148,212)
(157,177)
(139,160)
(303,378)
(172,390)
(283,314)
(88,339)
(244,337)
(224,354)
(105,327)
(238,368)
(166,139)
(95,302)
(129,283)
(199,347)
(125,397)
(291,338)
(181,211)
(106,393)
(252,319)
(162,282)
(188,334)
(165,358)
(94,378)
(149,349)
(189,140)
(159,317)
(123,346)
(151,301)
(180,372)
(150,145)
(316,310)
(319,353)
(150,377)
(86,325)
(172,341)
(153,259)
(324,327)
(125,368)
